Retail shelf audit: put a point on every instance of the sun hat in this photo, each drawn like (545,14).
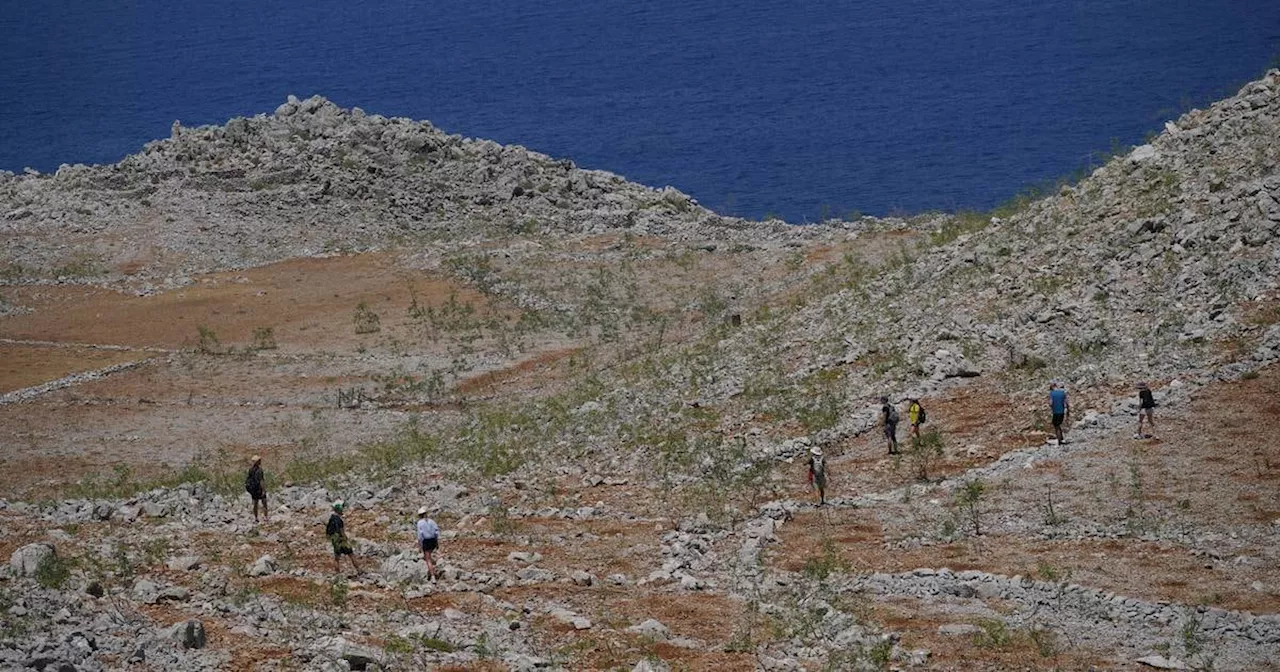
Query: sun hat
(816,450)
(422,511)
(1142,386)
(337,505)
(256,459)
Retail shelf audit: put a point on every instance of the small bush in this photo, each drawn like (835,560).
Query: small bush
(828,563)
(338,591)
(993,634)
(925,452)
(264,338)
(366,321)
(969,498)
(53,572)
(438,645)
(208,343)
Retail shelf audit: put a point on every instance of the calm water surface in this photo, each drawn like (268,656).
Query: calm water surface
(791,107)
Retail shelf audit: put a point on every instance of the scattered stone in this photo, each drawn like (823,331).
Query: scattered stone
(651,629)
(958,629)
(1161,663)
(184,563)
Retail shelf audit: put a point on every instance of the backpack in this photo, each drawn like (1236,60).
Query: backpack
(920,415)
(893,415)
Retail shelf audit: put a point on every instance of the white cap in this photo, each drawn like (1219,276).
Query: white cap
(816,450)
(422,511)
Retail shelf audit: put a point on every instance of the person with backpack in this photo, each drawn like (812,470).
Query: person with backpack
(890,419)
(1060,407)
(1146,407)
(818,474)
(255,485)
(916,416)
(428,540)
(336,531)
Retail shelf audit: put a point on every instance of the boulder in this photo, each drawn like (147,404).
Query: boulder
(189,634)
(103,511)
(536,574)
(26,560)
(263,566)
(651,629)
(526,557)
(185,563)
(146,591)
(582,578)
(651,665)
(404,567)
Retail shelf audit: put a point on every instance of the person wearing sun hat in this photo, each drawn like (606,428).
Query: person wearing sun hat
(818,473)
(428,540)
(336,531)
(255,485)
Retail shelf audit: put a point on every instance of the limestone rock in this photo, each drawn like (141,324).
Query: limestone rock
(26,560)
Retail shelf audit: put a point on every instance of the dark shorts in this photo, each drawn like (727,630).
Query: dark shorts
(1057,419)
(260,495)
(341,546)
(890,430)
(430,545)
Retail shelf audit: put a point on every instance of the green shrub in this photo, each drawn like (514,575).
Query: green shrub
(53,571)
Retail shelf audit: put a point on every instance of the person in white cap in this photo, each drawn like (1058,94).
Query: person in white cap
(818,473)
(336,530)
(255,485)
(428,540)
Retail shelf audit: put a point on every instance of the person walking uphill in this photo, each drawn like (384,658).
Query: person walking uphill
(1146,407)
(1061,409)
(255,485)
(890,419)
(428,540)
(818,474)
(336,531)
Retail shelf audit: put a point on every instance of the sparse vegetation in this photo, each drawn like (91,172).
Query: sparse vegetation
(366,321)
(969,500)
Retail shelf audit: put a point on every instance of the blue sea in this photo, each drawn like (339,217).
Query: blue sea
(796,108)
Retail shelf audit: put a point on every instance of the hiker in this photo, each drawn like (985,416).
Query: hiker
(1146,407)
(916,416)
(336,530)
(890,419)
(428,540)
(1061,409)
(256,486)
(818,474)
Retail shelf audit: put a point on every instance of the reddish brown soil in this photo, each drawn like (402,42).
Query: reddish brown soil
(309,303)
(29,365)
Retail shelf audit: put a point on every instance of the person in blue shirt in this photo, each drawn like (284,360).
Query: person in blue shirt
(1060,407)
(428,540)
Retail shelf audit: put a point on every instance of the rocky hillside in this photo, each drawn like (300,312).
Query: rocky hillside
(314,177)
(605,395)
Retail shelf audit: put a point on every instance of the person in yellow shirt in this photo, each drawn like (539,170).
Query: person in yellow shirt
(915,415)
